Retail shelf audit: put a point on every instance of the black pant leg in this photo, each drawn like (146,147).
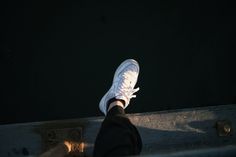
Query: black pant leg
(117,136)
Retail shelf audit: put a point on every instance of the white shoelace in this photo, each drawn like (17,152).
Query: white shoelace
(129,92)
(126,89)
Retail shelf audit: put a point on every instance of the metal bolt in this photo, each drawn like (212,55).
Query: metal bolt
(227,128)
(224,128)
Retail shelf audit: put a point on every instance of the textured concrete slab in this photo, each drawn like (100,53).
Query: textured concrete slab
(161,132)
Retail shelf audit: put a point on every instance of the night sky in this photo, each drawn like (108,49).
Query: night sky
(58,59)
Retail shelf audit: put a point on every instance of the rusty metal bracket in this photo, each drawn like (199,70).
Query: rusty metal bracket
(224,128)
(52,136)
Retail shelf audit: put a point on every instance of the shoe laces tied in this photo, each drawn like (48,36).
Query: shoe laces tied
(126,89)
(129,92)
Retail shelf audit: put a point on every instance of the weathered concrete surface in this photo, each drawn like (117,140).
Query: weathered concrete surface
(162,132)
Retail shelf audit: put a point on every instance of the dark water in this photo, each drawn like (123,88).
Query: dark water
(58,59)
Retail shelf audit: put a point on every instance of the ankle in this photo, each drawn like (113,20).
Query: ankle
(116,103)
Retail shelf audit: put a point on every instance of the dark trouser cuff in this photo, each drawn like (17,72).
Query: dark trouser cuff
(116,110)
(112,100)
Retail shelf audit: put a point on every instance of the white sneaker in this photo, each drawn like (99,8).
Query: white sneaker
(122,88)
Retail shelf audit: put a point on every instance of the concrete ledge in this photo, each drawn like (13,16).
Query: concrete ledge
(162,132)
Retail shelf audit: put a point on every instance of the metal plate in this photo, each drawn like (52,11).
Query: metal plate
(51,137)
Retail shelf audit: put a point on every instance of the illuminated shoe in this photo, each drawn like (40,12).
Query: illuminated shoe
(122,88)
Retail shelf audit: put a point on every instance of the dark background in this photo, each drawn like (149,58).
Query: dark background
(58,59)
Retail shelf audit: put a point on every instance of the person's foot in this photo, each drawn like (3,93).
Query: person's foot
(122,88)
